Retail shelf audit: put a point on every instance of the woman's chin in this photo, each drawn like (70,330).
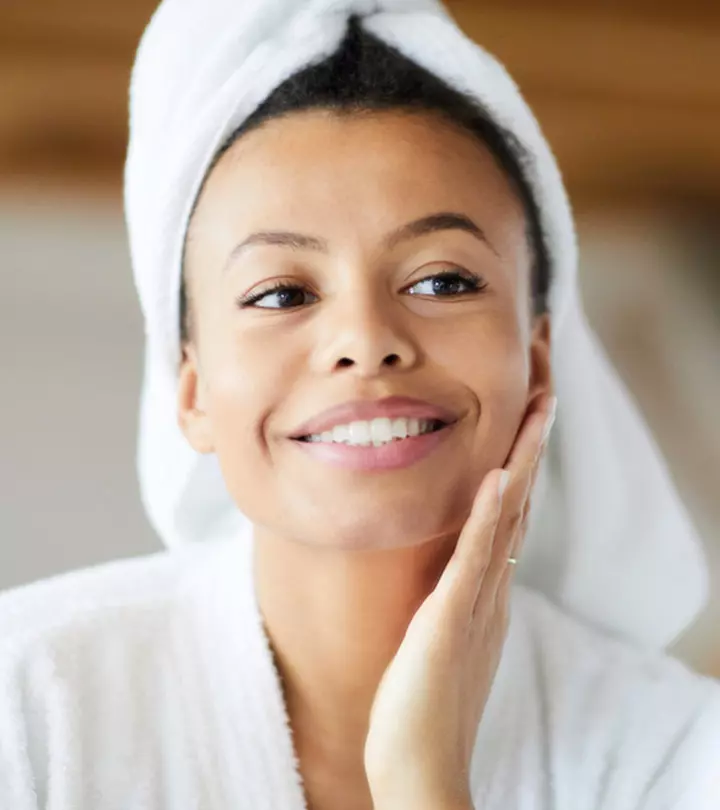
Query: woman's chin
(388,527)
(372,517)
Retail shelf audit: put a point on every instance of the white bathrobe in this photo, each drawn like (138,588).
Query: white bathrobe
(148,684)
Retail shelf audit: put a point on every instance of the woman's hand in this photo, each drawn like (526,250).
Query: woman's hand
(430,701)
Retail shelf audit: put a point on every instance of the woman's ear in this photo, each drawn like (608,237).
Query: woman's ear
(193,418)
(541,381)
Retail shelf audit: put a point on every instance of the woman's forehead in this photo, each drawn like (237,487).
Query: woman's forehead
(391,167)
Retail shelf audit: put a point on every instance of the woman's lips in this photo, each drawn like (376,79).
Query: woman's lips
(391,456)
(365,410)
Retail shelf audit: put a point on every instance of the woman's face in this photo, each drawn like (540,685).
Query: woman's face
(365,319)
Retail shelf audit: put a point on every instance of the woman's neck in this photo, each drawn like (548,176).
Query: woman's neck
(335,620)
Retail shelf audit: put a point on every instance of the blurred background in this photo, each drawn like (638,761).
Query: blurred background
(628,93)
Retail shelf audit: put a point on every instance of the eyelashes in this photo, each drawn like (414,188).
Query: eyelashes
(473,285)
(275,289)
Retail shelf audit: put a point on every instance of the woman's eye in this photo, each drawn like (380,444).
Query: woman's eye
(449,283)
(441,285)
(280,296)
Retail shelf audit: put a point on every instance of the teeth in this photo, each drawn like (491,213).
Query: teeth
(376,432)
(340,433)
(380,431)
(359,433)
(400,428)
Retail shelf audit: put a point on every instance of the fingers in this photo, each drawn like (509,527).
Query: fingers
(512,523)
(479,563)
(473,550)
(521,462)
(528,444)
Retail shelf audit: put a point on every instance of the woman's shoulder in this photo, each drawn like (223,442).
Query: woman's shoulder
(86,659)
(635,720)
(570,647)
(79,601)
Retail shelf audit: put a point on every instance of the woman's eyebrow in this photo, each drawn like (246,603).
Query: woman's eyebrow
(443,221)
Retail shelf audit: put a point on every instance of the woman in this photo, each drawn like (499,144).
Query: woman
(356,264)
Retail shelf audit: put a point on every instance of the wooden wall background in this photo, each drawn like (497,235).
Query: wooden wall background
(628,91)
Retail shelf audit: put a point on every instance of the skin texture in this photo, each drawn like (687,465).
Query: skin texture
(344,559)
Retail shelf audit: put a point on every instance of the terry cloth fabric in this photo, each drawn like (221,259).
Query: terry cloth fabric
(149,684)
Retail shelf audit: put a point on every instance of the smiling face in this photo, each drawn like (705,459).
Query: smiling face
(362,315)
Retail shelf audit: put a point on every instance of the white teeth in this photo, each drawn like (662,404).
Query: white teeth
(400,428)
(381,431)
(340,433)
(359,433)
(376,432)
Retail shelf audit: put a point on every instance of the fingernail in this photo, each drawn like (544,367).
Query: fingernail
(502,483)
(550,421)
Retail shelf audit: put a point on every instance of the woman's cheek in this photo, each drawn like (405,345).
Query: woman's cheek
(494,366)
(249,380)
(500,384)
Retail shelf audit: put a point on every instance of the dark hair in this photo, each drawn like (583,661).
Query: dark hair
(367,75)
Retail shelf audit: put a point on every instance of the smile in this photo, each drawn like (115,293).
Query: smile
(376,431)
(394,444)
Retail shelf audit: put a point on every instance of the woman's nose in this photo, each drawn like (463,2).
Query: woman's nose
(366,336)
